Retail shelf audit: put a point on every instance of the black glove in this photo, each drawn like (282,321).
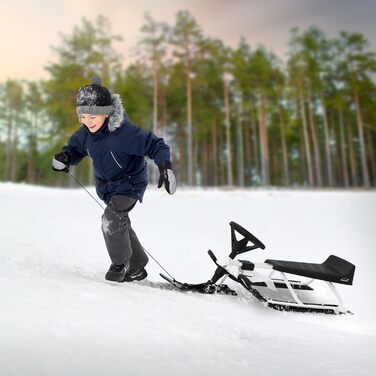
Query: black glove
(167,177)
(60,162)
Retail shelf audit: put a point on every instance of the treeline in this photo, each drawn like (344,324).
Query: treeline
(233,117)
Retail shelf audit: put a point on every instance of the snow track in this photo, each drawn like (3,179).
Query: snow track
(59,316)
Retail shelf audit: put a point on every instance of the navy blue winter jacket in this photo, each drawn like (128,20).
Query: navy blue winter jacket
(117,151)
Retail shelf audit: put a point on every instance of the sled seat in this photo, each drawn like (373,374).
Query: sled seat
(334,269)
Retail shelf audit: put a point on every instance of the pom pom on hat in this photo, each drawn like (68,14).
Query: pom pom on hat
(96,80)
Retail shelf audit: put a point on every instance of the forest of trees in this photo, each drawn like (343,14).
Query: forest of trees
(233,117)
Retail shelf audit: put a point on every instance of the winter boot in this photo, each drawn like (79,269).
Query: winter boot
(137,275)
(116,273)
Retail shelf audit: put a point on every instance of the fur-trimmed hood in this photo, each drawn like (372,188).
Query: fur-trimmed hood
(118,113)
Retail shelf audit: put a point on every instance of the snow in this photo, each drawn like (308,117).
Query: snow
(59,316)
(87,96)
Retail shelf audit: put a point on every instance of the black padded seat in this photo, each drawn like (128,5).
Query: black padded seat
(334,269)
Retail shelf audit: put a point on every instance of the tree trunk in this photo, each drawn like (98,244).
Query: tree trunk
(316,147)
(363,158)
(306,140)
(183,153)
(239,148)
(264,142)
(14,158)
(275,162)
(222,173)
(286,172)
(328,156)
(371,157)
(155,99)
(30,176)
(209,161)
(189,126)
(164,110)
(204,163)
(353,169)
(334,149)
(247,153)
(256,153)
(247,149)
(336,156)
(228,134)
(343,149)
(215,156)
(303,158)
(8,149)
(197,178)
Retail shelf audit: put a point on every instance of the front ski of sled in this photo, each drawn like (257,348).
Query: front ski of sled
(289,304)
(202,288)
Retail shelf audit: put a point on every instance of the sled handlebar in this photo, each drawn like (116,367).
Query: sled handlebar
(240,246)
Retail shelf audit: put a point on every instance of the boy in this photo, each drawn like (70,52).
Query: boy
(117,149)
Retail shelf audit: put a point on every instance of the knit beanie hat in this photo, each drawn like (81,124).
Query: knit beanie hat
(94,99)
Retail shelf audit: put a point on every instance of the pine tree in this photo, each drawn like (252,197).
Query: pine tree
(356,64)
(186,36)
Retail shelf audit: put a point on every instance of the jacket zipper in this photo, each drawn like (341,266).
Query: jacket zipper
(116,160)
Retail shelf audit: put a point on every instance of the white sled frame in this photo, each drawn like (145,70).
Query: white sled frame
(234,268)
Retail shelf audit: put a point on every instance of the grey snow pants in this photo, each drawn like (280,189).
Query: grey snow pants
(122,243)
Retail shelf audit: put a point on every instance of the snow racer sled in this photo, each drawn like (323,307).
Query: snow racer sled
(278,293)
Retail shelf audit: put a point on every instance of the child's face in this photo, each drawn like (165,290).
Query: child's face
(93,122)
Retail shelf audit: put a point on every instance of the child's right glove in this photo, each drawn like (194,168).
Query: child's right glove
(167,177)
(60,162)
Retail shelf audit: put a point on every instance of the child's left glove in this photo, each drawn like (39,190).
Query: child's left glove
(167,177)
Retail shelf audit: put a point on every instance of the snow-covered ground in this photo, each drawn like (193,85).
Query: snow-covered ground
(58,316)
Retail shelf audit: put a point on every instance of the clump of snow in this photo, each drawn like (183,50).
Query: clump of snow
(59,316)
(87,96)
(106,224)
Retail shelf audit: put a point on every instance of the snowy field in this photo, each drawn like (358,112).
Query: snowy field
(58,316)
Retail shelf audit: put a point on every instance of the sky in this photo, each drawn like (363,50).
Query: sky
(28,29)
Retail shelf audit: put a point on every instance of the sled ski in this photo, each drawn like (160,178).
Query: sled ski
(279,293)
